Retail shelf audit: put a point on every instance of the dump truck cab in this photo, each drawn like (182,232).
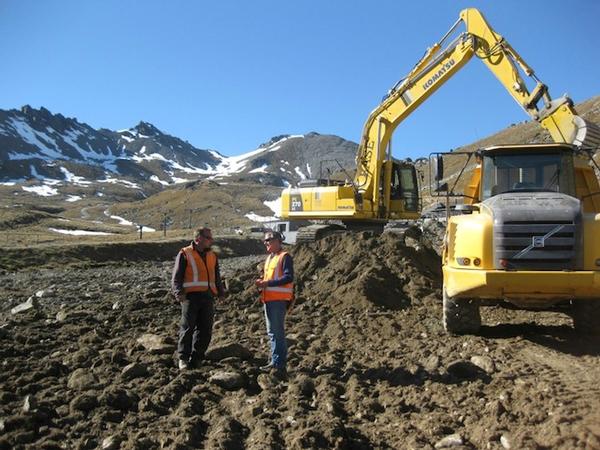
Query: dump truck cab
(527,240)
(527,169)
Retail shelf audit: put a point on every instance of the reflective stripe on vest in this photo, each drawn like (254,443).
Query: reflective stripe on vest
(274,271)
(199,276)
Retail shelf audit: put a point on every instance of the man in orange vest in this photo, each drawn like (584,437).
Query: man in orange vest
(277,295)
(195,283)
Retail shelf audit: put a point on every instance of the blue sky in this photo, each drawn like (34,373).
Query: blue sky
(229,75)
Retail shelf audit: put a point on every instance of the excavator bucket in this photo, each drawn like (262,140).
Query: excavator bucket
(587,134)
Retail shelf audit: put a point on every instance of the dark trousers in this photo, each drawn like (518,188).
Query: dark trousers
(195,328)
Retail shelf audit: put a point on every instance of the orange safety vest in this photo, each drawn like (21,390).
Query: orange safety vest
(274,271)
(199,275)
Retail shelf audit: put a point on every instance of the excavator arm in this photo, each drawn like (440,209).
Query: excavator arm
(439,63)
(557,116)
(429,74)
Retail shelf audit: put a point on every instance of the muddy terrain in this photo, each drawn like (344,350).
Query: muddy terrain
(88,361)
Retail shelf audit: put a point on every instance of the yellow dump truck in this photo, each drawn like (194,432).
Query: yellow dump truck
(530,235)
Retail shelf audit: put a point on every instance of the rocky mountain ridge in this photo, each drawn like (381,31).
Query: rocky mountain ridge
(37,144)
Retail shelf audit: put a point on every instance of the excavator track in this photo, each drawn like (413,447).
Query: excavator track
(312,233)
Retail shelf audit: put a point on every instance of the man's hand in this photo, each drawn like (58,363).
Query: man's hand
(180,298)
(260,283)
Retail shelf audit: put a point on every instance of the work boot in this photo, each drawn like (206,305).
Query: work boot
(195,362)
(280,373)
(183,364)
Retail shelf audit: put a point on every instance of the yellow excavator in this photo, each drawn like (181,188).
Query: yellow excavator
(532,212)
(385,189)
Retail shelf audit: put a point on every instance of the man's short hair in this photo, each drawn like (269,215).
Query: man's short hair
(201,232)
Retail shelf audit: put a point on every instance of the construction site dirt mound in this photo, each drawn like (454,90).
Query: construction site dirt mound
(88,361)
(379,271)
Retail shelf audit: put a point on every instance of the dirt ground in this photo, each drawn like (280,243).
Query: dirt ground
(91,364)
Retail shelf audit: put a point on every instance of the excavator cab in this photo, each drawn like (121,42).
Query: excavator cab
(404,193)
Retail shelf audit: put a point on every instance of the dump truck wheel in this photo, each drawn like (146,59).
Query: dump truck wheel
(586,316)
(461,316)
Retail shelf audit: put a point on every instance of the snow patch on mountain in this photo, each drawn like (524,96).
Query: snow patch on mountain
(260,219)
(261,169)
(274,205)
(43,190)
(70,177)
(79,232)
(125,183)
(70,137)
(21,156)
(236,164)
(126,222)
(158,180)
(150,157)
(39,140)
(191,169)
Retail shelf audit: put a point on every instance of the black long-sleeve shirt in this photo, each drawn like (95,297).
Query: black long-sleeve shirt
(179,273)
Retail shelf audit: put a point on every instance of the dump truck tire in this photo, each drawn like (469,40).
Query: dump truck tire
(586,316)
(461,316)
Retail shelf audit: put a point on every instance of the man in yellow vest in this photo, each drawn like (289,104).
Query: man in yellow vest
(277,295)
(195,283)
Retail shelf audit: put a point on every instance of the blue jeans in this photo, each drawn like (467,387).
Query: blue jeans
(275,318)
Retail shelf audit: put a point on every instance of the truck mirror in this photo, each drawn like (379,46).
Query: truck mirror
(438,167)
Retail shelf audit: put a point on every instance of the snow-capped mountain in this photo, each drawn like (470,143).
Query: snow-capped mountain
(287,159)
(36,144)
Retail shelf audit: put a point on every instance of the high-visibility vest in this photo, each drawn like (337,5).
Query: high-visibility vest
(199,275)
(274,271)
